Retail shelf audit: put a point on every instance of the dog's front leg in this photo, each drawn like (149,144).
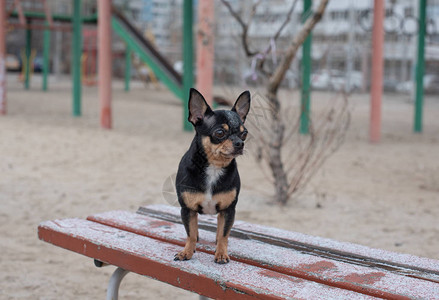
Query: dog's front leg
(190,222)
(225,223)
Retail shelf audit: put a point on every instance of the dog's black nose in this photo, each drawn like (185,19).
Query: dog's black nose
(238,144)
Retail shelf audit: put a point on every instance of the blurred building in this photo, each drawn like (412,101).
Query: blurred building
(231,65)
(159,20)
(345,34)
(341,41)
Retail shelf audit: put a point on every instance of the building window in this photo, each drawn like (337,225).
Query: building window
(339,15)
(408,11)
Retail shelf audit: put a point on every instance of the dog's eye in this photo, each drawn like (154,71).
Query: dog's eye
(243,135)
(220,133)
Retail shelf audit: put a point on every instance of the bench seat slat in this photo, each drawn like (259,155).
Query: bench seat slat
(401,259)
(154,258)
(371,281)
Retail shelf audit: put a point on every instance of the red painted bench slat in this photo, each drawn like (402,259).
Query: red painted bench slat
(372,281)
(154,258)
(404,260)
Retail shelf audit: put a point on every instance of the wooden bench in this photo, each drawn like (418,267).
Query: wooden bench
(267,263)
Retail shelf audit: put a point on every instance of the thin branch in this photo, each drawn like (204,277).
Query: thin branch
(287,20)
(260,65)
(244,26)
(330,136)
(279,73)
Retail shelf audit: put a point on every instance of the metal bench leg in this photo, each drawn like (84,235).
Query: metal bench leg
(113,285)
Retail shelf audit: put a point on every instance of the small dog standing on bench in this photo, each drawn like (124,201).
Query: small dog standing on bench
(207,179)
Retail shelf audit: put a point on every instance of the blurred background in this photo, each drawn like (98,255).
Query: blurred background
(341,46)
(57,162)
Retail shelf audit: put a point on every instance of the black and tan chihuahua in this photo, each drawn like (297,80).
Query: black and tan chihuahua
(207,179)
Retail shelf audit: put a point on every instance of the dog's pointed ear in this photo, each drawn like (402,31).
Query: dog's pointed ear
(198,107)
(242,105)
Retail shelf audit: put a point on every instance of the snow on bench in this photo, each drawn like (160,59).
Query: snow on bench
(267,263)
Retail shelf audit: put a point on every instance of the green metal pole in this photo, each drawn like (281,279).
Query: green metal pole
(419,101)
(127,68)
(28,63)
(306,73)
(188,60)
(46,59)
(76,58)
(173,84)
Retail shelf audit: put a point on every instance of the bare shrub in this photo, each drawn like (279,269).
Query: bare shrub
(289,158)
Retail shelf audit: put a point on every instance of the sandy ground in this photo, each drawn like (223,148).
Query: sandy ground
(56,166)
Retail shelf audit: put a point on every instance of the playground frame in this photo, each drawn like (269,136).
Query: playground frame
(106,20)
(109,19)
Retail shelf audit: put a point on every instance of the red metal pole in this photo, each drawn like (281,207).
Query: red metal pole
(2,57)
(377,71)
(17,6)
(205,49)
(47,12)
(105,63)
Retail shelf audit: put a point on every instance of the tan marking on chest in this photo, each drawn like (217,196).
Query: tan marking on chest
(241,128)
(224,199)
(193,200)
(218,155)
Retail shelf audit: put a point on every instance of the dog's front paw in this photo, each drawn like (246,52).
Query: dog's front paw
(221,257)
(184,255)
